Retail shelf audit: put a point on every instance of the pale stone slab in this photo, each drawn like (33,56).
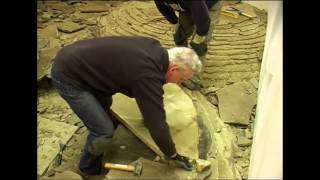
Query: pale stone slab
(70,27)
(49,31)
(180,114)
(50,135)
(236,102)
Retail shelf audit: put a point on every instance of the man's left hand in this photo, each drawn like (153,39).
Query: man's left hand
(183,162)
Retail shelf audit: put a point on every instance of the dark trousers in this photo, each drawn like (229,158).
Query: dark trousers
(187,29)
(91,109)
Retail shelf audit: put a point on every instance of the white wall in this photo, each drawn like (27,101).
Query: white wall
(267,150)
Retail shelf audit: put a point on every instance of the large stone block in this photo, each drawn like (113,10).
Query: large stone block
(180,114)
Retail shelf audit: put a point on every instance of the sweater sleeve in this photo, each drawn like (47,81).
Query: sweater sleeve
(166,11)
(148,93)
(200,16)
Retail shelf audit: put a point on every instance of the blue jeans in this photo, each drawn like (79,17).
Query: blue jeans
(91,109)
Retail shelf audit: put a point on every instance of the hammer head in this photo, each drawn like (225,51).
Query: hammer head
(137,169)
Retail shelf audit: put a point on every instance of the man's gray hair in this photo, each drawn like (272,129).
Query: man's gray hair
(185,58)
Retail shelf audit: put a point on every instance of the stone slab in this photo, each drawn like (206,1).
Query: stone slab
(50,135)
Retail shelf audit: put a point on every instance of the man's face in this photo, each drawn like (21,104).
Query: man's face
(177,75)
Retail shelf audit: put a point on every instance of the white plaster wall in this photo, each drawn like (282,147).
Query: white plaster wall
(267,148)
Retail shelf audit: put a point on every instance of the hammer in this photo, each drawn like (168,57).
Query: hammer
(136,169)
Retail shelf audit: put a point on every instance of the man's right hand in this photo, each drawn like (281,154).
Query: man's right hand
(183,161)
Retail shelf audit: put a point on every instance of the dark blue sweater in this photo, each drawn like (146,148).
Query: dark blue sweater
(197,9)
(134,66)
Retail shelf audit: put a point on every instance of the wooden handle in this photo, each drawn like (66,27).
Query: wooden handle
(119,167)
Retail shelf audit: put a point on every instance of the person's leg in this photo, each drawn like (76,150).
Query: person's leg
(195,81)
(184,31)
(101,129)
(106,102)
(95,118)
(215,17)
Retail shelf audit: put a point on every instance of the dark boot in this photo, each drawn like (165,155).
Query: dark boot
(91,160)
(86,176)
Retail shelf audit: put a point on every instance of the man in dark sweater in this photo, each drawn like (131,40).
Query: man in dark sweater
(202,14)
(87,74)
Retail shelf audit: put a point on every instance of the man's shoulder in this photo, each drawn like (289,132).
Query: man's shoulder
(146,38)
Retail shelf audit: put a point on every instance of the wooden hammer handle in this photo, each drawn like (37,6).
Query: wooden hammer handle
(119,167)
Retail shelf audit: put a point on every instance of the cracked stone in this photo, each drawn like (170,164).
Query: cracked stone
(81,130)
(80,124)
(248,134)
(67,39)
(243,163)
(254,82)
(208,90)
(42,110)
(42,43)
(62,17)
(243,141)
(114,3)
(73,2)
(73,119)
(45,58)
(60,6)
(201,165)
(69,11)
(47,130)
(95,7)
(95,31)
(235,104)
(213,99)
(90,22)
(69,165)
(68,153)
(48,32)
(45,17)
(67,175)
(54,42)
(75,19)
(70,27)
(238,166)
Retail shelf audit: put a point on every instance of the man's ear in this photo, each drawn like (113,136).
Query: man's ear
(173,67)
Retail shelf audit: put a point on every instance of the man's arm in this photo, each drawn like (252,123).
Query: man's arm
(166,11)
(148,93)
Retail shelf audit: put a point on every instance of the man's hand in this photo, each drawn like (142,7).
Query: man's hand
(198,45)
(183,161)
